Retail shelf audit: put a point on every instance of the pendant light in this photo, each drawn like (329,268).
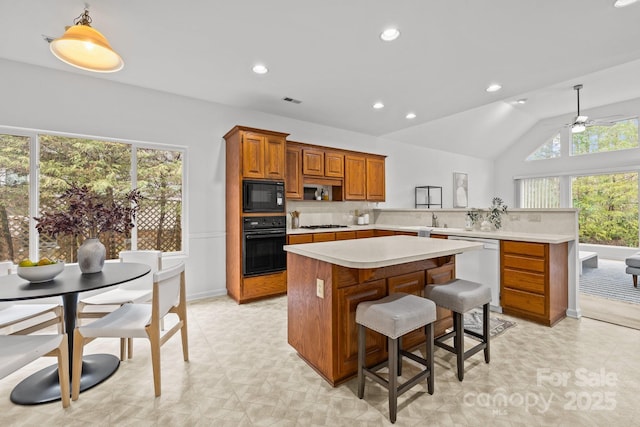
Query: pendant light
(86,48)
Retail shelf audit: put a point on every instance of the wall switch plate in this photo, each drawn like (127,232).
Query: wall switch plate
(535,218)
(320,288)
(514,217)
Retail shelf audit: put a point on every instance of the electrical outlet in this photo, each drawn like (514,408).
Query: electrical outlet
(320,288)
(514,217)
(535,218)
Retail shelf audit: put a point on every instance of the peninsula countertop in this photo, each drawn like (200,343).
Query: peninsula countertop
(497,235)
(379,252)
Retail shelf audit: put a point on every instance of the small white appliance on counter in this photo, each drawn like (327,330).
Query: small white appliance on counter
(482,266)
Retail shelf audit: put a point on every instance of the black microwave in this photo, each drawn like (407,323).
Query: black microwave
(262,196)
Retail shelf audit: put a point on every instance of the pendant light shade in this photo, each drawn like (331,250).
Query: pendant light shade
(86,48)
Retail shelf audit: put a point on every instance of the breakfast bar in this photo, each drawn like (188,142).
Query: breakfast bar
(327,280)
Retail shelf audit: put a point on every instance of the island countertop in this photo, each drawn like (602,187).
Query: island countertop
(379,252)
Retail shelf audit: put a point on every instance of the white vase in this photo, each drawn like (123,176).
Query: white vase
(485,226)
(91,255)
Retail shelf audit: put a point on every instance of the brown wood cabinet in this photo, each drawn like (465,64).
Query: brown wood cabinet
(375,179)
(313,161)
(355,184)
(293,186)
(534,280)
(256,154)
(323,329)
(334,164)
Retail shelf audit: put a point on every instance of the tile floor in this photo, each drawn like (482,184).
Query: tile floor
(242,372)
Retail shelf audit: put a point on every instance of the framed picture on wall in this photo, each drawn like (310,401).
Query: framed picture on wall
(460,190)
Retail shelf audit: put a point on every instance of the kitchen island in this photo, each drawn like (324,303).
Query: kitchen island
(326,281)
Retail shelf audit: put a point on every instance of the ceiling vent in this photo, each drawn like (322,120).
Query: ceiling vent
(295,101)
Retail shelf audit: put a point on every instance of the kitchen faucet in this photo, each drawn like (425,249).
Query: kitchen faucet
(434,220)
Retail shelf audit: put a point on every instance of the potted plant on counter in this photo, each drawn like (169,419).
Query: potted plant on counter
(87,213)
(494,216)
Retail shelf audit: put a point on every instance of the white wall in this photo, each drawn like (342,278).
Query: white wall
(40,98)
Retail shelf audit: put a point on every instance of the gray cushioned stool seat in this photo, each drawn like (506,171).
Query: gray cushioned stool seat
(459,295)
(395,316)
(633,267)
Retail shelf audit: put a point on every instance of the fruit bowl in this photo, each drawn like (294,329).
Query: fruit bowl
(41,273)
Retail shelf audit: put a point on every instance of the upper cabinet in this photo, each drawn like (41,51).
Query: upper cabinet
(375,179)
(355,177)
(262,152)
(312,162)
(293,176)
(334,164)
(364,177)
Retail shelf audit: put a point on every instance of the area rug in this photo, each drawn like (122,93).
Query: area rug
(610,281)
(473,322)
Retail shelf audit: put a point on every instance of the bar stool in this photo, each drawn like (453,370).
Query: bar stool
(394,316)
(461,296)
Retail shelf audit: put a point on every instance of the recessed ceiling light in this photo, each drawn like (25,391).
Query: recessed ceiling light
(378,105)
(390,34)
(260,69)
(494,87)
(411,116)
(623,3)
(521,101)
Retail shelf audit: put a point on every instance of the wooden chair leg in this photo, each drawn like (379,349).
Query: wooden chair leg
(430,359)
(130,347)
(63,372)
(361,360)
(635,280)
(486,332)
(123,349)
(458,326)
(183,335)
(78,348)
(154,341)
(393,379)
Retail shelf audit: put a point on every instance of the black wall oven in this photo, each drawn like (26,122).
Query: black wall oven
(262,196)
(262,240)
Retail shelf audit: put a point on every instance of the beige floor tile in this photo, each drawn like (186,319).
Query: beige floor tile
(242,372)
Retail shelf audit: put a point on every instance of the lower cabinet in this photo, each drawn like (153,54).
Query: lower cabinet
(322,324)
(534,280)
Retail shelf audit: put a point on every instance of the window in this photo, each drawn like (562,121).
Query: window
(619,135)
(105,166)
(14,197)
(608,208)
(540,192)
(548,150)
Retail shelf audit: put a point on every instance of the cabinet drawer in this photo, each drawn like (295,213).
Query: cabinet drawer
(523,280)
(524,301)
(523,263)
(363,234)
(294,239)
(260,286)
(345,235)
(524,248)
(324,237)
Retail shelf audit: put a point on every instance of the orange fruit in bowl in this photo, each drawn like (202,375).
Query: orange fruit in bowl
(45,261)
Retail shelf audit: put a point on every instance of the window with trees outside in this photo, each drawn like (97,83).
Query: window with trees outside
(548,150)
(608,208)
(618,135)
(107,167)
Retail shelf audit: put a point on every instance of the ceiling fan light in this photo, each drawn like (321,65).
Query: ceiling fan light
(582,119)
(623,3)
(578,127)
(86,48)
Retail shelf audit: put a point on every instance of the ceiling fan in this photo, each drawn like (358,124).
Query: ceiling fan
(581,122)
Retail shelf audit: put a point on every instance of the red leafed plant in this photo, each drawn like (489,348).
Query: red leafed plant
(86,213)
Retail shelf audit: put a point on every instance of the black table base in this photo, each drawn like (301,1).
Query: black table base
(44,387)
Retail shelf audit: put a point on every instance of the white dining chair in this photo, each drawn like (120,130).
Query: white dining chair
(17,351)
(22,319)
(140,321)
(135,291)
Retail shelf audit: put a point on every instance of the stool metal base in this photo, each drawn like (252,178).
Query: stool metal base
(394,364)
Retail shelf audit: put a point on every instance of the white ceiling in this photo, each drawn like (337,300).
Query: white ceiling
(328,55)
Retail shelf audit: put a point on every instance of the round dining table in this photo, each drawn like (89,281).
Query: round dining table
(43,386)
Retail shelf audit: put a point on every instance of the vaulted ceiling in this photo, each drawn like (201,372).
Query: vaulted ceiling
(328,55)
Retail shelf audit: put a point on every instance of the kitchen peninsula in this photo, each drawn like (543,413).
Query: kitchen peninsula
(327,280)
